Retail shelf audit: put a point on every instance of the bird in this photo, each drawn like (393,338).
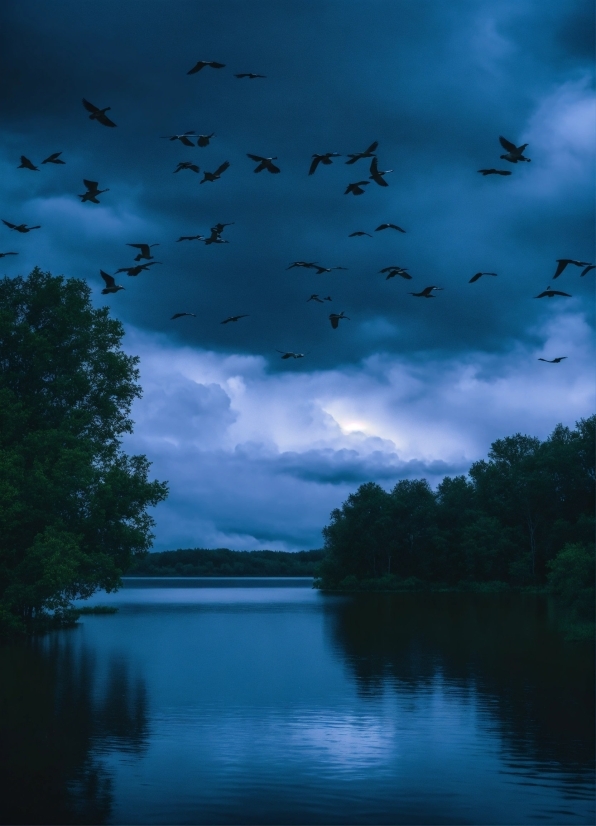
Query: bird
(185,138)
(356,189)
(180,315)
(250,75)
(328,269)
(27,164)
(553,361)
(92,192)
(400,272)
(4,254)
(191,238)
(219,228)
(138,269)
(486,172)
(290,355)
(144,250)
(187,165)
(204,139)
(215,176)
(200,64)
(215,238)
(98,114)
(233,318)
(427,292)
(394,267)
(327,298)
(309,264)
(314,297)
(324,159)
(19,227)
(563,262)
(54,158)
(588,268)
(335,318)
(548,293)
(264,163)
(111,286)
(368,153)
(389,226)
(358,233)
(376,174)
(514,153)
(479,275)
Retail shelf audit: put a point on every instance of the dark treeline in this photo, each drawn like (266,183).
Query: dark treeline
(524,516)
(223,562)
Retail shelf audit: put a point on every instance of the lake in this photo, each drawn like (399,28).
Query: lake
(263,701)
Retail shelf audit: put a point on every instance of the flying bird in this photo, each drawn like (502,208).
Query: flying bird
(204,139)
(290,355)
(389,226)
(368,153)
(514,153)
(219,228)
(144,250)
(427,292)
(185,138)
(233,318)
(398,271)
(479,275)
(92,192)
(335,318)
(394,267)
(19,227)
(324,159)
(215,238)
(201,65)
(27,164)
(548,293)
(327,298)
(376,174)
(191,238)
(486,172)
(563,262)
(4,254)
(54,158)
(111,286)
(358,233)
(309,264)
(138,269)
(588,268)
(264,163)
(98,114)
(314,297)
(181,315)
(215,176)
(327,269)
(356,189)
(250,75)
(553,361)
(187,165)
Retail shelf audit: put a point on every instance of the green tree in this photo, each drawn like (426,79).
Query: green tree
(72,503)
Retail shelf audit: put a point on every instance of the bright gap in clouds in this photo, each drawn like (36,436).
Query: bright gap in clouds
(258,459)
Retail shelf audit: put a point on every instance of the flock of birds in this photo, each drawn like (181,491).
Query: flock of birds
(513,154)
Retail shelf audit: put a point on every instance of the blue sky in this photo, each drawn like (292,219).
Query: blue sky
(257,449)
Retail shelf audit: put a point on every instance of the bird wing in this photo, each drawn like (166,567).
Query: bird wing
(588,268)
(109,279)
(139,246)
(215,65)
(374,168)
(273,168)
(475,278)
(394,226)
(8,224)
(560,267)
(126,269)
(255,157)
(558,292)
(197,67)
(89,106)
(354,158)
(315,162)
(104,119)
(372,147)
(510,147)
(334,321)
(53,158)
(92,186)
(222,168)
(183,139)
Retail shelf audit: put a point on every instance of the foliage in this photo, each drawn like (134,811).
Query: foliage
(72,503)
(223,562)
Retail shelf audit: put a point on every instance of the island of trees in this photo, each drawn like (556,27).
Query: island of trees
(223,562)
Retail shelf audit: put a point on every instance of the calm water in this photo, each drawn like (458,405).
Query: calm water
(263,701)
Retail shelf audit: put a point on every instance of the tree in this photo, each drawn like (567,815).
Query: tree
(72,503)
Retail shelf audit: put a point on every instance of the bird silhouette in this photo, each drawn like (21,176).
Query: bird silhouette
(514,153)
(479,275)
(393,267)
(187,165)
(486,172)
(54,158)
(427,292)
(562,263)
(233,318)
(215,176)
(92,192)
(335,318)
(553,361)
(191,238)
(219,228)
(290,355)
(249,75)
(356,188)
(215,238)
(138,269)
(4,254)
(376,174)
(324,159)
(588,268)
(184,138)
(548,293)
(398,271)
(358,233)
(144,250)
(314,297)
(204,139)
(368,153)
(307,264)
(264,163)
(111,286)
(98,114)
(200,64)
(19,227)
(328,269)
(181,315)
(27,164)
(389,226)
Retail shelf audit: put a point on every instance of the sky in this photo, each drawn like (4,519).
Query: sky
(258,449)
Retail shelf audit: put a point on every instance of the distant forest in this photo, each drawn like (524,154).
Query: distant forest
(223,562)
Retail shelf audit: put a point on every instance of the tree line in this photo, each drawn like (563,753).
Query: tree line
(223,562)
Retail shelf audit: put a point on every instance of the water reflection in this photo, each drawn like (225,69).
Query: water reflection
(57,713)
